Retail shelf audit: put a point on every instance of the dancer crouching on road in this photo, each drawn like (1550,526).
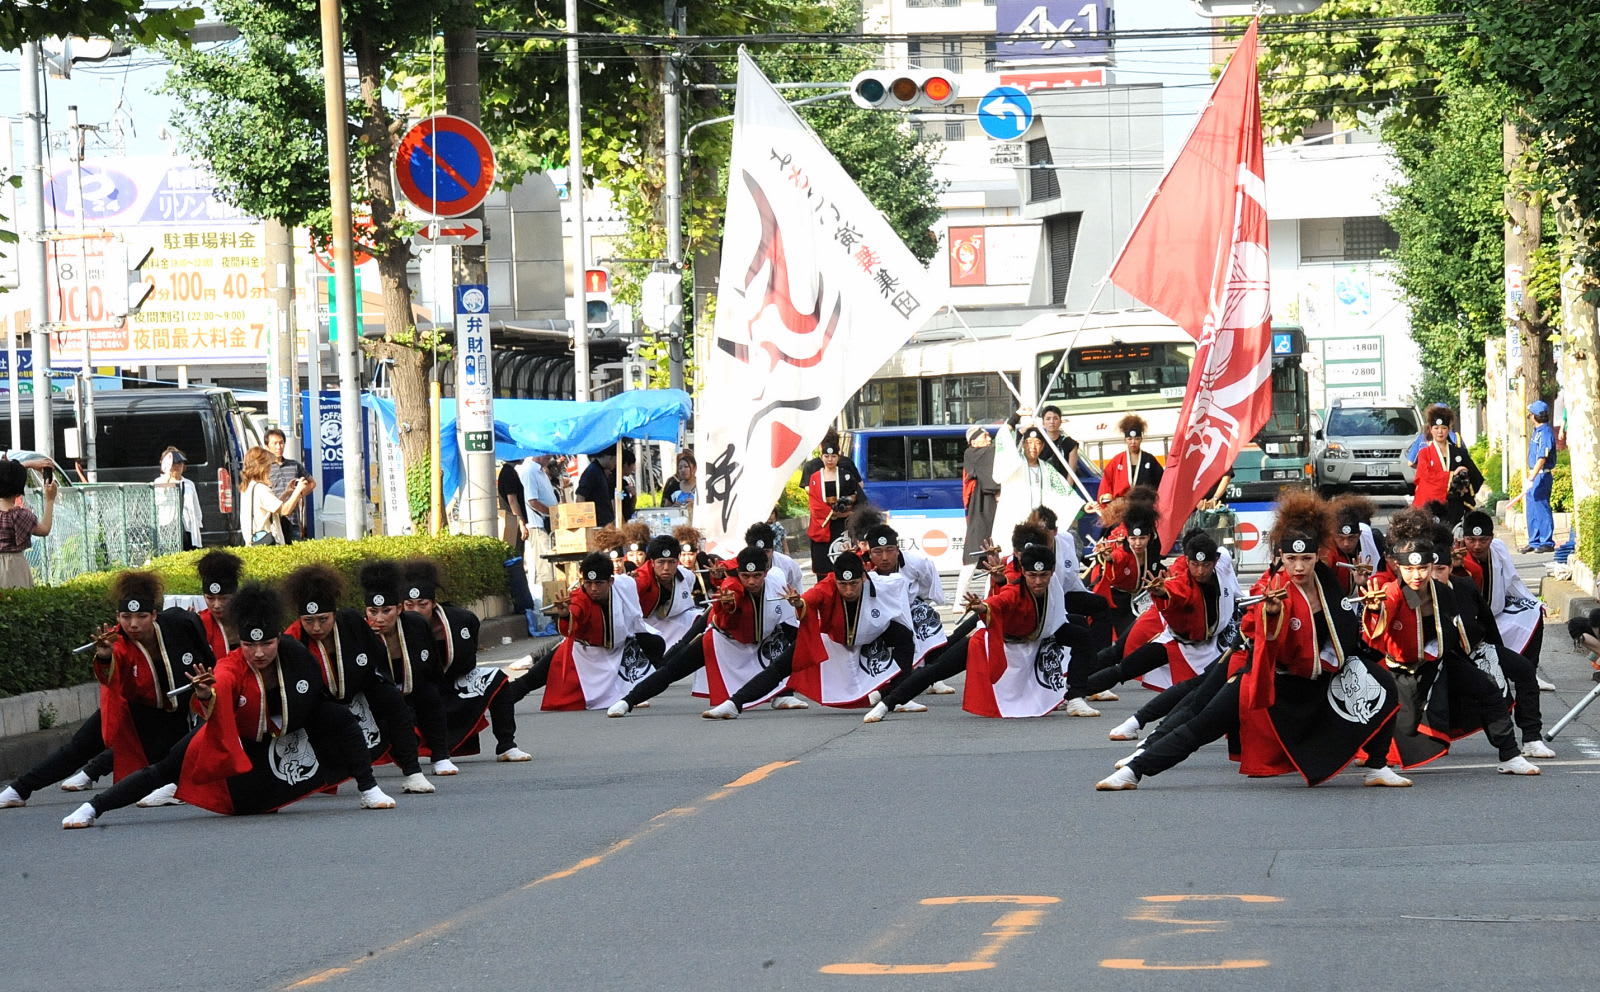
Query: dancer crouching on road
(411,659)
(271,733)
(1304,695)
(608,647)
(348,655)
(754,621)
(142,662)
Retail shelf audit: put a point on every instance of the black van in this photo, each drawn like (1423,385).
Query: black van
(133,427)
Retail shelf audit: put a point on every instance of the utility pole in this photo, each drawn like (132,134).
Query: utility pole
(479,502)
(33,269)
(282,408)
(672,88)
(86,378)
(580,245)
(350,418)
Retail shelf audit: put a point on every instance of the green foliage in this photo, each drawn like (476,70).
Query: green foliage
(419,491)
(35,20)
(48,716)
(794,502)
(1561,483)
(41,625)
(1589,532)
(1450,216)
(1489,462)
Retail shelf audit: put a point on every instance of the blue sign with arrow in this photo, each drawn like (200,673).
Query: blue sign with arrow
(1005,113)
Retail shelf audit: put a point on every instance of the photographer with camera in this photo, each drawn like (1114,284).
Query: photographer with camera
(833,493)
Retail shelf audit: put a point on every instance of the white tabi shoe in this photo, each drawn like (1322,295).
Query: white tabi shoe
(515,754)
(911,707)
(876,714)
(416,784)
(1118,781)
(167,795)
(11,799)
(375,798)
(790,703)
(1127,730)
(444,766)
(521,664)
(1517,766)
(77,782)
(1124,762)
(1545,685)
(1104,697)
(1385,777)
(1077,707)
(1537,749)
(725,710)
(874,698)
(79,818)
(619,708)
(941,689)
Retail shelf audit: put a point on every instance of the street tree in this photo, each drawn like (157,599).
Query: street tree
(23,21)
(253,110)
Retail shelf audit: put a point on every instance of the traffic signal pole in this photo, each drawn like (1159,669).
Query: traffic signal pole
(672,87)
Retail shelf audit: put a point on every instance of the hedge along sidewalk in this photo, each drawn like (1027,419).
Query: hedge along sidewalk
(40,626)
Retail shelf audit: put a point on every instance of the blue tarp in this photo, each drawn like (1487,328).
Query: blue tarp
(556,427)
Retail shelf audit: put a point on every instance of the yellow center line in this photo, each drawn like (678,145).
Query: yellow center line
(482,909)
(1139,964)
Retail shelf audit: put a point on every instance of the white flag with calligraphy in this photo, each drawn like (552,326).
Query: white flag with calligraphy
(816,292)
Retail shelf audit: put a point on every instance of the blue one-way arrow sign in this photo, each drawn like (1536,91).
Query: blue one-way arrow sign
(1005,113)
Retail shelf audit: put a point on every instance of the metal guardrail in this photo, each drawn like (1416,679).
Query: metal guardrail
(101,526)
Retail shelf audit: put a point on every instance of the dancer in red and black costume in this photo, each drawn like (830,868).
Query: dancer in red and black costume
(1303,696)
(1132,467)
(142,662)
(219,580)
(410,658)
(1356,550)
(1124,566)
(607,646)
(349,656)
(1440,462)
(832,492)
(1414,623)
(271,735)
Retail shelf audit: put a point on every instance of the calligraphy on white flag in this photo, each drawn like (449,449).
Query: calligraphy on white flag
(815,293)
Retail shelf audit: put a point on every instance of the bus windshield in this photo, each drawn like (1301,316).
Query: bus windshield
(1152,369)
(1288,399)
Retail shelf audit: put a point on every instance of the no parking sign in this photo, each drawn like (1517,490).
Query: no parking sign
(445,166)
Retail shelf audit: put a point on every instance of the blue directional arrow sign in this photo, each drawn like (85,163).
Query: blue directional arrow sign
(1005,113)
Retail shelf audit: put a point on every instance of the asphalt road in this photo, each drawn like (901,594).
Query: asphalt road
(804,850)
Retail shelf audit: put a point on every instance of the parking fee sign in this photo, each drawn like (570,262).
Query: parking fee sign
(474,369)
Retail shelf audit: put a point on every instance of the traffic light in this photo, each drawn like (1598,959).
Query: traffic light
(902,89)
(597,298)
(135,290)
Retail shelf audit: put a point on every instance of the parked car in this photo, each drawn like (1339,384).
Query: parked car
(1363,446)
(133,427)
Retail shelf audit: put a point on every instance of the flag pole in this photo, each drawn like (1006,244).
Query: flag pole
(1072,476)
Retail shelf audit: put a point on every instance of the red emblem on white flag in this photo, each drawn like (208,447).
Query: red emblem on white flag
(1199,255)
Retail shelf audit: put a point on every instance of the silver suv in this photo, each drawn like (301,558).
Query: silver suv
(1363,446)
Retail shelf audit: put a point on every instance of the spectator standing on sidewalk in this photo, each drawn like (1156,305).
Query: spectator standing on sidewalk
(285,476)
(538,499)
(19,525)
(1536,488)
(509,488)
(178,501)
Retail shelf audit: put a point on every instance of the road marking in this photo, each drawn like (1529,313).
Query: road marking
(1140,964)
(1549,763)
(482,909)
(1208,898)
(1011,925)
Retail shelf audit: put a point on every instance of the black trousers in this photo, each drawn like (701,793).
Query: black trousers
(87,746)
(1098,612)
(1149,657)
(681,662)
(331,726)
(765,681)
(99,766)
(427,715)
(1172,706)
(1521,673)
(395,722)
(1485,706)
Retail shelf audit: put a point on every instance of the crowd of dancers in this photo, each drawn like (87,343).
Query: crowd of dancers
(1354,646)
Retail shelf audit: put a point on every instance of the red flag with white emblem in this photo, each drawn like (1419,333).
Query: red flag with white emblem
(1199,255)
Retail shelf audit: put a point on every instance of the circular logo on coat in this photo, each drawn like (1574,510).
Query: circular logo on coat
(377,600)
(876,614)
(466,635)
(188,658)
(1294,623)
(216,588)
(302,687)
(241,700)
(361,660)
(424,654)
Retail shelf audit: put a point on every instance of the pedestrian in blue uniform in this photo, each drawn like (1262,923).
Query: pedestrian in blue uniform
(1536,488)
